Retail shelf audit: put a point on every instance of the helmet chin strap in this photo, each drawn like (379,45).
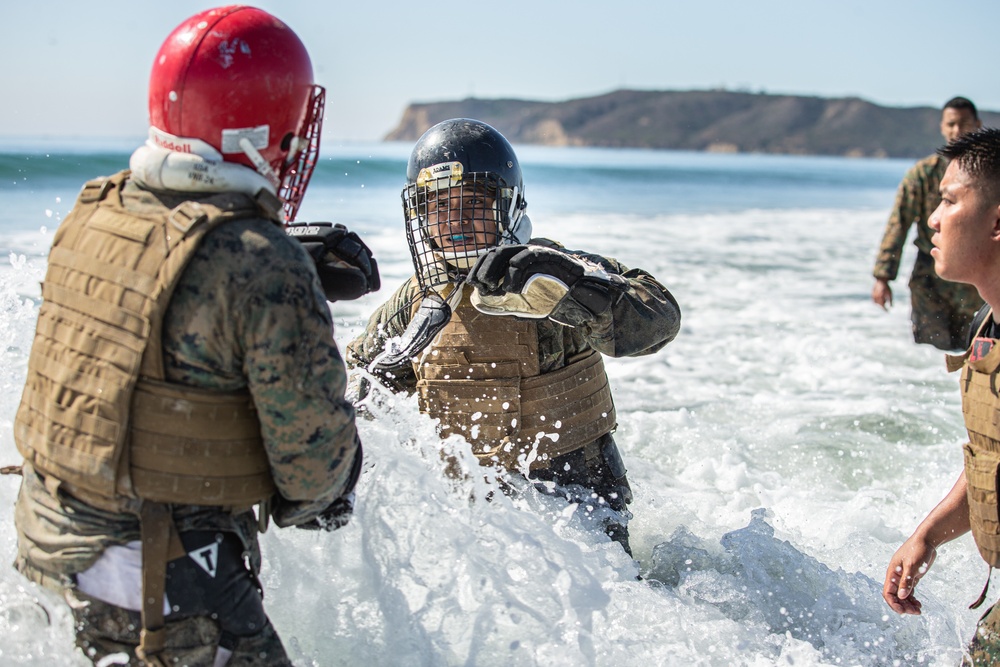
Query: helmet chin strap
(513,210)
(262,166)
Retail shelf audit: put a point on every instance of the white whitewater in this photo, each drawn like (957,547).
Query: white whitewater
(779,450)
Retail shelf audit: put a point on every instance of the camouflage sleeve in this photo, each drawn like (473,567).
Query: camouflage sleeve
(249,312)
(642,321)
(388,321)
(297,378)
(908,208)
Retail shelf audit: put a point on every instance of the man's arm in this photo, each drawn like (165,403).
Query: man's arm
(388,321)
(905,211)
(620,312)
(642,319)
(947,521)
(297,378)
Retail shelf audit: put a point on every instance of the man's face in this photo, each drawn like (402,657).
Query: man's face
(967,230)
(461,219)
(956,122)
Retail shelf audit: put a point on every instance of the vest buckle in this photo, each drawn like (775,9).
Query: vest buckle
(187,216)
(94,191)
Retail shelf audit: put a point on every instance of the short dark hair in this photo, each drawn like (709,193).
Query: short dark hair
(978,155)
(960,103)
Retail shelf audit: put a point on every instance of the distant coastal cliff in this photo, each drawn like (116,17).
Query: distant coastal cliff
(714,121)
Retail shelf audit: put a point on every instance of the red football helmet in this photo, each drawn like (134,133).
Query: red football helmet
(240,80)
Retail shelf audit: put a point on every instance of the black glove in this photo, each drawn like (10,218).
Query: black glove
(507,268)
(338,513)
(591,290)
(434,313)
(347,270)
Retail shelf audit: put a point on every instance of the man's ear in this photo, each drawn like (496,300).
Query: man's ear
(995,211)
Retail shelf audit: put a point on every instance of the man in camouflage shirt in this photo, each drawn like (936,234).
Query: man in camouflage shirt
(941,310)
(966,249)
(155,530)
(501,334)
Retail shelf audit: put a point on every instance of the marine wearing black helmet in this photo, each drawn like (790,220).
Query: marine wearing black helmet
(501,335)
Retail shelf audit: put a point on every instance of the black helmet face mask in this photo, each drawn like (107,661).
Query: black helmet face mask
(453,217)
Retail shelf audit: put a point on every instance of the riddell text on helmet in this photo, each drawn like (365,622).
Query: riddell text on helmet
(163,142)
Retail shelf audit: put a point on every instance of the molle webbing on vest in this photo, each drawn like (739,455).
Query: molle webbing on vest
(469,377)
(111,273)
(574,401)
(981,407)
(198,447)
(981,469)
(481,379)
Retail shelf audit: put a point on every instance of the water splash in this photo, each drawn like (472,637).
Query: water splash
(785,390)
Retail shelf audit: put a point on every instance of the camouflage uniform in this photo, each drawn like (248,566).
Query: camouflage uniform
(248,312)
(941,310)
(984,649)
(642,322)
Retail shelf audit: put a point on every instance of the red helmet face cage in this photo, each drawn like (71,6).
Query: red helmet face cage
(236,77)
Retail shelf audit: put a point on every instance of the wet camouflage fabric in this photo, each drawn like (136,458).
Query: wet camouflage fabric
(104,630)
(59,535)
(941,311)
(984,649)
(642,322)
(940,308)
(248,312)
(916,198)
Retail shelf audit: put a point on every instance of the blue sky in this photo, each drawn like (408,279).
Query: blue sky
(80,69)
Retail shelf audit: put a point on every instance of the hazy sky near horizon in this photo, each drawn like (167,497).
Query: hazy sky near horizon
(80,69)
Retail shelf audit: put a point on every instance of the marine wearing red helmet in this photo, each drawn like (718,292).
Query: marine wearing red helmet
(175,284)
(239,80)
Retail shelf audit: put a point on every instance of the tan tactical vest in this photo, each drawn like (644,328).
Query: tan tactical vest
(96,413)
(480,377)
(980,386)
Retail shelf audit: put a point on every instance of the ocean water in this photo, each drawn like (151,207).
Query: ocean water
(780,449)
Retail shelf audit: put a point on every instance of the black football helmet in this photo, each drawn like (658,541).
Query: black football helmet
(464,194)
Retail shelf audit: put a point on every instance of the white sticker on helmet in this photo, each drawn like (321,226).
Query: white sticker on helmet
(257,136)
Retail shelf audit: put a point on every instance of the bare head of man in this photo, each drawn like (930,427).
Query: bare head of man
(966,223)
